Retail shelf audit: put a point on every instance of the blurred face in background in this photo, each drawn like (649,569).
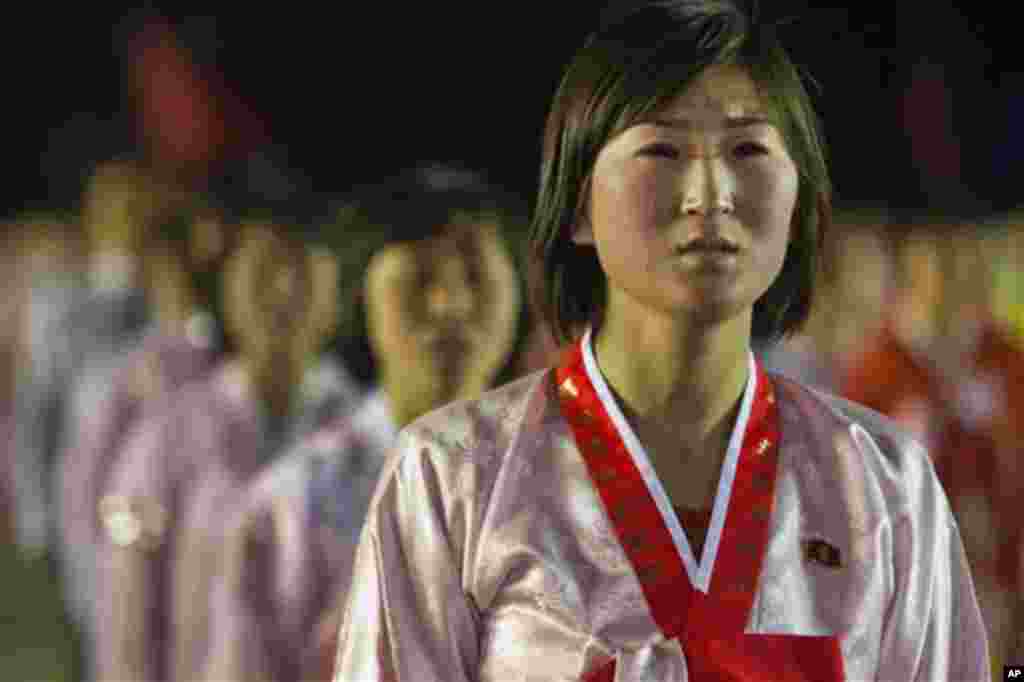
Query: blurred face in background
(210,240)
(967,284)
(121,204)
(268,296)
(920,288)
(441,314)
(45,249)
(861,286)
(1006,253)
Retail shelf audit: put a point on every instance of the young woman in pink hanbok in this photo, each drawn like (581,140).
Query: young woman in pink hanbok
(657,506)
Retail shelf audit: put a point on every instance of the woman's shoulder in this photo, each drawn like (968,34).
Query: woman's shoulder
(470,439)
(495,402)
(490,419)
(854,442)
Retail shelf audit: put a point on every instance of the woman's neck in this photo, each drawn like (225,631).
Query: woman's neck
(678,382)
(167,284)
(274,381)
(411,398)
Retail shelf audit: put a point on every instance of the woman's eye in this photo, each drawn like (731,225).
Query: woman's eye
(663,150)
(745,149)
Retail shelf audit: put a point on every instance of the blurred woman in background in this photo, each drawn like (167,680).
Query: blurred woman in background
(183,468)
(74,325)
(79,324)
(44,270)
(180,343)
(430,287)
(950,373)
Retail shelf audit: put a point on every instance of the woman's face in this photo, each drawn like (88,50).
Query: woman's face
(857,301)
(270,291)
(209,241)
(442,311)
(121,206)
(923,290)
(690,208)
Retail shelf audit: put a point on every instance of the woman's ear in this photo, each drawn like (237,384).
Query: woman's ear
(583,232)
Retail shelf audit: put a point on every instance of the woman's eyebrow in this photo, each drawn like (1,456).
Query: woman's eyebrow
(741,121)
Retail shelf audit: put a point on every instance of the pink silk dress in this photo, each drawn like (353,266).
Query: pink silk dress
(104,407)
(304,515)
(526,536)
(177,486)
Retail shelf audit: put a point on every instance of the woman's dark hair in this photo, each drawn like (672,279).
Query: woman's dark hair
(642,56)
(416,204)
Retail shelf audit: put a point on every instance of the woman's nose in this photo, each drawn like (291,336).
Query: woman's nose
(284,283)
(451,296)
(707,187)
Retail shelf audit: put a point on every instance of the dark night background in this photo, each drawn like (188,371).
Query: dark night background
(919,100)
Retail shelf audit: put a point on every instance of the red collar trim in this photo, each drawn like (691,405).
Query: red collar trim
(641,527)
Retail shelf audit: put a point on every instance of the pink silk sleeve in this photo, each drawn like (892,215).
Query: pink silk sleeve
(131,605)
(100,416)
(257,631)
(241,603)
(933,631)
(407,616)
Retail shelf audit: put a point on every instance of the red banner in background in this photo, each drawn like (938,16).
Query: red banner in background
(189,120)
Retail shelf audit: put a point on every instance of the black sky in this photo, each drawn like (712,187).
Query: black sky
(351,94)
